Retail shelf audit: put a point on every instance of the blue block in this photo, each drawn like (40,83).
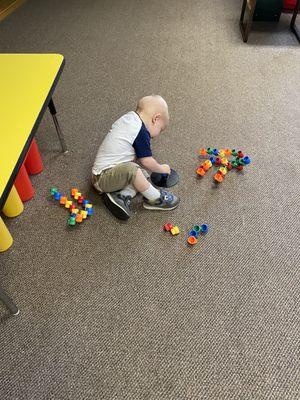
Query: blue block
(85,201)
(57,196)
(204,228)
(216,152)
(212,160)
(246,160)
(193,233)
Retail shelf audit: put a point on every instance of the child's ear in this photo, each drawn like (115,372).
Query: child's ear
(156,118)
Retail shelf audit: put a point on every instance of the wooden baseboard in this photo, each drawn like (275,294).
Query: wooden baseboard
(8,6)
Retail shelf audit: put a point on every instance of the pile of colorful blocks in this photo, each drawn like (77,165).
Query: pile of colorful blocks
(173,229)
(76,215)
(195,232)
(225,159)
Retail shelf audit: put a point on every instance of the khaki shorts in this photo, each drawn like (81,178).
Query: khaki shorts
(117,178)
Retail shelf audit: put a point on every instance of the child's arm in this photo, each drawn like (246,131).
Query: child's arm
(152,165)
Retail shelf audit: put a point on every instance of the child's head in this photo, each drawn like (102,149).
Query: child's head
(153,111)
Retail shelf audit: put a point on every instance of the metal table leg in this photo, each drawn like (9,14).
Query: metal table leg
(58,130)
(9,303)
(293,26)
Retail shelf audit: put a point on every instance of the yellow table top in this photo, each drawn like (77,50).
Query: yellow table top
(27,82)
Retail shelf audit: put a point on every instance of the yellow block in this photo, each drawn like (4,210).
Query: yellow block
(13,205)
(6,239)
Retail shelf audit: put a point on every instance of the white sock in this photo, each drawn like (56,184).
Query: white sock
(151,193)
(128,191)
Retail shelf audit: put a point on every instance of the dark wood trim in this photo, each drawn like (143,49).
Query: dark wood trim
(9,8)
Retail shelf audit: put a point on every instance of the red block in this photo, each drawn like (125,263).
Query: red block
(168,227)
(33,160)
(23,185)
(289,4)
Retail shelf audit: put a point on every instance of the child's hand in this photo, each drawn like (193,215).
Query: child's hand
(165,169)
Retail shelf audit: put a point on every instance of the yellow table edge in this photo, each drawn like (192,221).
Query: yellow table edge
(14,173)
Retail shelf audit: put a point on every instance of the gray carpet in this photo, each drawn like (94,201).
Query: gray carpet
(117,310)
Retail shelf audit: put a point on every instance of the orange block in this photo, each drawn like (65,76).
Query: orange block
(63,200)
(78,218)
(218,177)
(202,152)
(192,240)
(200,171)
(74,191)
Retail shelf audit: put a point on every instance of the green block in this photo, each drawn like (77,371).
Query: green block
(72,221)
(53,190)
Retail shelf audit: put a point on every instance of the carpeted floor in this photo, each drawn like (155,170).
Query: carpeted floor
(117,310)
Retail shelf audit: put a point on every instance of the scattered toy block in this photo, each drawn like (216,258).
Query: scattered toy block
(74,191)
(204,228)
(79,218)
(83,213)
(57,196)
(63,200)
(200,171)
(223,170)
(192,240)
(175,230)
(68,203)
(168,227)
(218,177)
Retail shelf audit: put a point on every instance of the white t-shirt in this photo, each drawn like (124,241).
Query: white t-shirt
(127,140)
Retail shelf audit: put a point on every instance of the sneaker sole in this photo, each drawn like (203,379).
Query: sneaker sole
(149,207)
(114,207)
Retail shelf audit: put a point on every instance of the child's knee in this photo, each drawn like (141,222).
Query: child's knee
(118,177)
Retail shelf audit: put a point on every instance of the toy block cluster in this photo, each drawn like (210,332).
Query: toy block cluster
(173,229)
(77,214)
(195,232)
(224,159)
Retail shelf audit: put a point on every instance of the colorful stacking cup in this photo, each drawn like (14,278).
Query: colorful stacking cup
(6,239)
(13,205)
(23,184)
(33,161)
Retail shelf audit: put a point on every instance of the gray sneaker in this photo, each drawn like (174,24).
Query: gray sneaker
(167,201)
(118,205)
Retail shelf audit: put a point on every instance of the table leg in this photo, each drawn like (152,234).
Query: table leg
(245,27)
(293,26)
(13,205)
(58,130)
(9,303)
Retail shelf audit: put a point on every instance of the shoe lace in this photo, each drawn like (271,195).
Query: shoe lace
(166,197)
(127,201)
